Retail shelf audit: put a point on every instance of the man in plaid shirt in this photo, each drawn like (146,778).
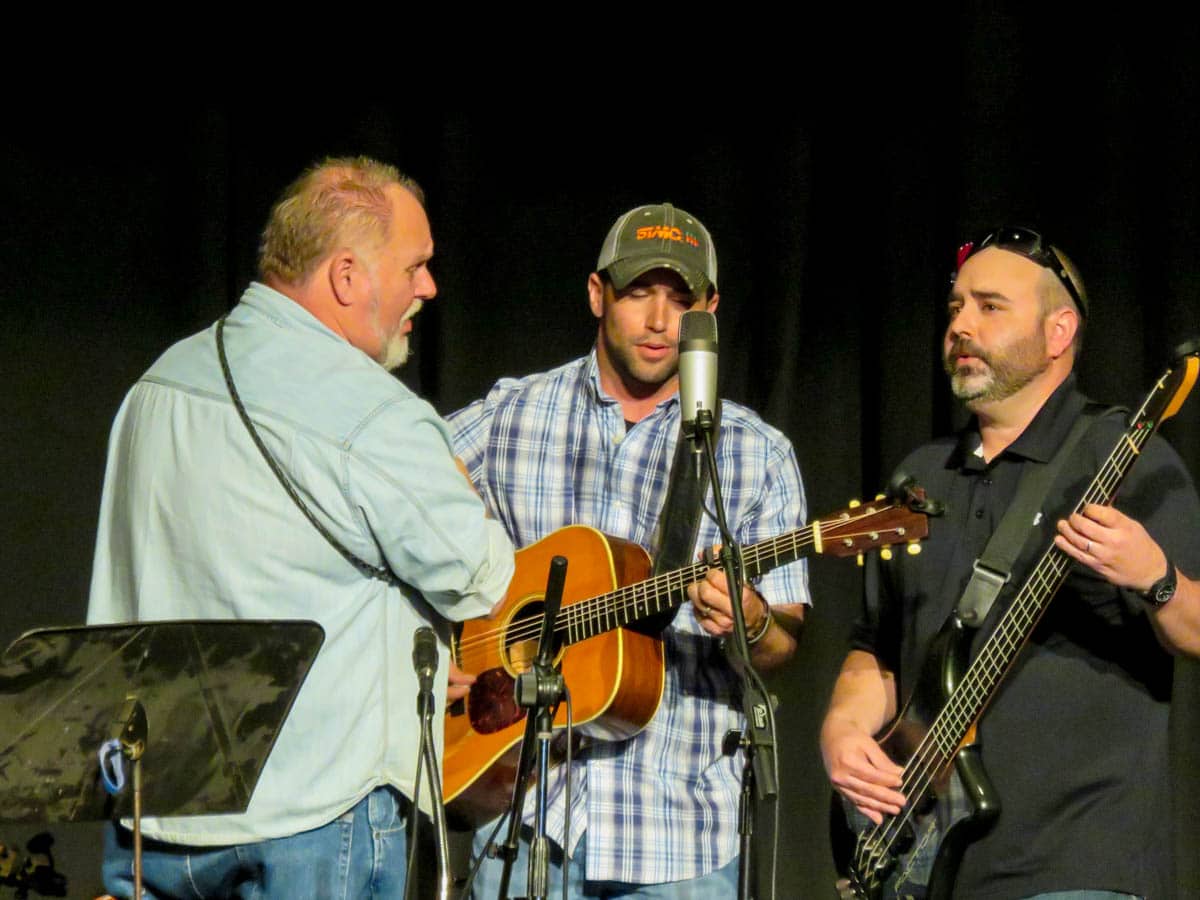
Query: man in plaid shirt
(592,443)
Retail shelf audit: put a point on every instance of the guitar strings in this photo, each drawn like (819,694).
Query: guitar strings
(959,713)
(1102,490)
(602,605)
(583,611)
(602,609)
(605,607)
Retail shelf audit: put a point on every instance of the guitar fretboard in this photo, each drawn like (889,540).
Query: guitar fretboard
(1000,649)
(596,615)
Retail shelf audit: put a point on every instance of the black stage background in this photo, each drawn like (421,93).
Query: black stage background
(835,219)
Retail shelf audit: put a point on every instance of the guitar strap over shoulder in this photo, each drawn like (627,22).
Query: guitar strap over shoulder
(994,567)
(381,573)
(679,524)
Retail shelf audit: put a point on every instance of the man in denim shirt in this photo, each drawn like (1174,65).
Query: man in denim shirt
(193,524)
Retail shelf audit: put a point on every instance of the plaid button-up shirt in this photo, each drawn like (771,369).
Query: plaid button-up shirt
(553,449)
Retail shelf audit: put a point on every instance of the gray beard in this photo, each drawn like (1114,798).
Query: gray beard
(1002,378)
(395,353)
(997,385)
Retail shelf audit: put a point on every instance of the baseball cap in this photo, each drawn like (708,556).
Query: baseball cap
(659,236)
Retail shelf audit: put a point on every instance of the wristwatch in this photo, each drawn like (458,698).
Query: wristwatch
(1162,590)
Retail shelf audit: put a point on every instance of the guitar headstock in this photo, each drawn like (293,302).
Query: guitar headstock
(1179,381)
(1168,393)
(880,523)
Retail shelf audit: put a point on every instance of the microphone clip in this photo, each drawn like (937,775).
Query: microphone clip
(703,424)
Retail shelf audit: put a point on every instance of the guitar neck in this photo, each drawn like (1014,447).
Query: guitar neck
(596,615)
(1014,628)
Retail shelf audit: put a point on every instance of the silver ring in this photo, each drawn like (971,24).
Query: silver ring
(1087,548)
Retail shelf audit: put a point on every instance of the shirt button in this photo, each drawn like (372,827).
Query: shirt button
(979,513)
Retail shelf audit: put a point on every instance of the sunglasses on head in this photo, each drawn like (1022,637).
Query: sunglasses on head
(1028,243)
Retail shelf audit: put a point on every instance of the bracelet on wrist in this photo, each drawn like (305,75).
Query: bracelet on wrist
(753,639)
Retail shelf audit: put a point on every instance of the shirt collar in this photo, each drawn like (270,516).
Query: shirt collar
(1040,439)
(283,310)
(591,373)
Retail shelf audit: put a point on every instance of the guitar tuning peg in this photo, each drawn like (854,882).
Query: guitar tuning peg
(881,496)
(859,559)
(885,553)
(855,504)
(914,548)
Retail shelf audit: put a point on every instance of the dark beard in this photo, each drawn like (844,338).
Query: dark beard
(1010,368)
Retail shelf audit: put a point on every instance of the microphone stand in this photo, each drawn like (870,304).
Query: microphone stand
(538,690)
(132,739)
(426,708)
(427,760)
(759,776)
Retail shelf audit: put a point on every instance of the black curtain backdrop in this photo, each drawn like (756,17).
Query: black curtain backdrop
(836,217)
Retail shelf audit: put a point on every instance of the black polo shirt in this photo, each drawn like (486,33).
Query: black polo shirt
(1075,739)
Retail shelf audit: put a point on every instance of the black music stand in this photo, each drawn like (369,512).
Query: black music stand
(197,705)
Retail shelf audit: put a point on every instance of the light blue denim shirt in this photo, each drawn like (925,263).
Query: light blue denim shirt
(194,525)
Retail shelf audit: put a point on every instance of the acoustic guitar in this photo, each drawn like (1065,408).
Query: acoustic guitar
(615,675)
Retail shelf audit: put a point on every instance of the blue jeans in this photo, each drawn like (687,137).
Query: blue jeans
(719,885)
(359,854)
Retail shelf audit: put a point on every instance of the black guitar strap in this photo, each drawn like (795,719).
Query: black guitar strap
(380,572)
(679,523)
(993,568)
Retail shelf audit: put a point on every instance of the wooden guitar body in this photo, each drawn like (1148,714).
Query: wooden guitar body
(615,677)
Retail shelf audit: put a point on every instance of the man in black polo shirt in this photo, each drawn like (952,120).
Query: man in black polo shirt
(1075,738)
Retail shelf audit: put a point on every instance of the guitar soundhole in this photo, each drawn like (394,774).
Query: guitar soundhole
(522,635)
(490,703)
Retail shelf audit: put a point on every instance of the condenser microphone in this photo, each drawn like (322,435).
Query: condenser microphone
(697,368)
(425,656)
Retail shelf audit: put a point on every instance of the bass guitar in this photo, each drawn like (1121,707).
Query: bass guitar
(951,802)
(615,675)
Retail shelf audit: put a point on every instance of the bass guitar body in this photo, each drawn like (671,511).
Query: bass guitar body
(917,853)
